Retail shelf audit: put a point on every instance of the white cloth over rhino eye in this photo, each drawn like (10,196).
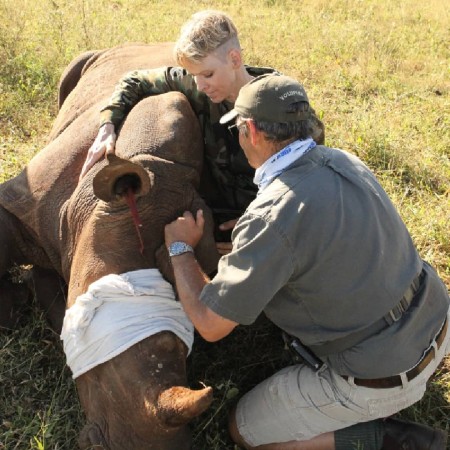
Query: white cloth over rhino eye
(118,311)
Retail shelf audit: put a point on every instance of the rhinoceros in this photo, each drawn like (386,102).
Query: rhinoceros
(83,235)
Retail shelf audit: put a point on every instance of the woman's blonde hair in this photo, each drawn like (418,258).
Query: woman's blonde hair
(203,34)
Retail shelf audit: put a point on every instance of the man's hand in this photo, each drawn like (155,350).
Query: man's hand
(104,143)
(225,247)
(186,229)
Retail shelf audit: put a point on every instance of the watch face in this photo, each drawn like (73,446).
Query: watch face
(178,248)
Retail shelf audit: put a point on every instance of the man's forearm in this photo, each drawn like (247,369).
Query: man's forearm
(190,281)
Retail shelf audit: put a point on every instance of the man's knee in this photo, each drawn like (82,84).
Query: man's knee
(234,431)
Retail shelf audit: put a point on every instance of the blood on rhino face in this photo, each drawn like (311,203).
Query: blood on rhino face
(138,400)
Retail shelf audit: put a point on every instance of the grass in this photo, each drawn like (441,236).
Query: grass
(376,71)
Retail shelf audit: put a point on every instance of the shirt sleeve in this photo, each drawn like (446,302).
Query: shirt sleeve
(260,264)
(136,85)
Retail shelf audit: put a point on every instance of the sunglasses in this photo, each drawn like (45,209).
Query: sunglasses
(238,127)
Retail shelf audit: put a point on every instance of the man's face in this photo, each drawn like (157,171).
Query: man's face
(256,148)
(246,144)
(215,76)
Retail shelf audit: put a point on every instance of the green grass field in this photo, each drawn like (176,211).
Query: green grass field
(376,71)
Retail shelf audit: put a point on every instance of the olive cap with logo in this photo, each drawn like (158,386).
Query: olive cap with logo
(267,98)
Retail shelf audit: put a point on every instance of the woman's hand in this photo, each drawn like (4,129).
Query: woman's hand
(225,247)
(105,142)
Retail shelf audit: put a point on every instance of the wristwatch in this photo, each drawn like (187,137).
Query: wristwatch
(178,248)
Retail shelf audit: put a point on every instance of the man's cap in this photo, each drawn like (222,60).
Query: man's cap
(267,98)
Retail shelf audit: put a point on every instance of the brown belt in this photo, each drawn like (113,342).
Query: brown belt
(395,380)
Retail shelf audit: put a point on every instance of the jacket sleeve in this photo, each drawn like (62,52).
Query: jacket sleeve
(136,85)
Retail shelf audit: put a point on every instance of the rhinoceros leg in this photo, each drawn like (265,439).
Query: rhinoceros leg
(16,248)
(50,291)
(12,298)
(48,288)
(12,295)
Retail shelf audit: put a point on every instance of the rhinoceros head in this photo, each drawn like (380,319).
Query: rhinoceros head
(138,399)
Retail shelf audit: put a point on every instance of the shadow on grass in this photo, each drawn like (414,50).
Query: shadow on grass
(39,407)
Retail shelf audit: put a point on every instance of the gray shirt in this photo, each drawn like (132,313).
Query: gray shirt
(323,253)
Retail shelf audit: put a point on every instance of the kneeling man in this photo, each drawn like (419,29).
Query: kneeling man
(324,254)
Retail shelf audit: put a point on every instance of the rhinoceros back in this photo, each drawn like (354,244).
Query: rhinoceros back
(100,75)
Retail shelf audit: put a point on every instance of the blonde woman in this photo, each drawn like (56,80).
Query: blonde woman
(211,74)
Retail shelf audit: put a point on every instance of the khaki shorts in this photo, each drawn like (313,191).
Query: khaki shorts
(297,404)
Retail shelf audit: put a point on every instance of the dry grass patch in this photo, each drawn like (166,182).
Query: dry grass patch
(376,71)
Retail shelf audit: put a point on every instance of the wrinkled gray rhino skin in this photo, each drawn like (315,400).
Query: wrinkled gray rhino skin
(72,238)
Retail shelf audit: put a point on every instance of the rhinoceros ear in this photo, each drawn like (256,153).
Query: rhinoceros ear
(119,175)
(178,405)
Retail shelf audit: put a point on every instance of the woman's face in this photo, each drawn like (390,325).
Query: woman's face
(215,76)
